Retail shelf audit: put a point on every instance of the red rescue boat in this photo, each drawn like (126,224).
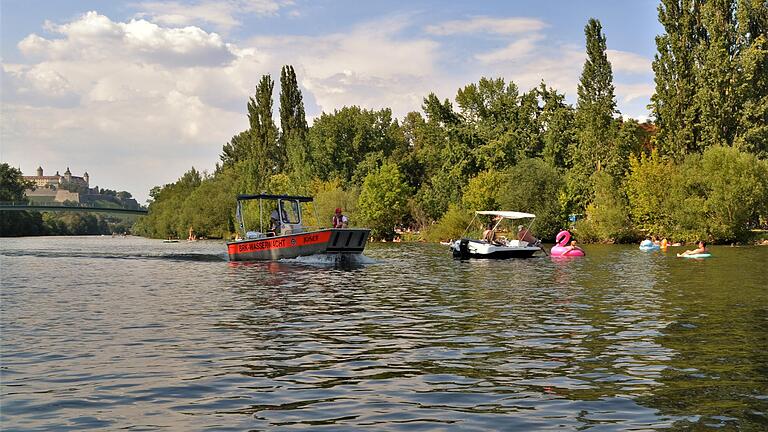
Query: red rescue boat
(287,237)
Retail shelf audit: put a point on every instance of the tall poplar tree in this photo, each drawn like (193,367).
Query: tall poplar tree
(265,153)
(752,135)
(596,130)
(293,122)
(718,89)
(675,67)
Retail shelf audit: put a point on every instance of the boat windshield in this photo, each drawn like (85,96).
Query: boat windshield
(290,211)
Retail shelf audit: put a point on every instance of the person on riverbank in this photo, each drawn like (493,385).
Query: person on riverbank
(701,249)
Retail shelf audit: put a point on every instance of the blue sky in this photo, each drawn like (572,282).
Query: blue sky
(138,92)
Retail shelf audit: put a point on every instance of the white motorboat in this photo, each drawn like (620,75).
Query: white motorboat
(489,247)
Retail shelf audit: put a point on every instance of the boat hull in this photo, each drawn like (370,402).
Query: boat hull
(466,249)
(338,241)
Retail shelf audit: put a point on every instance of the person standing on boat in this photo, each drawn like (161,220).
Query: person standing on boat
(339,220)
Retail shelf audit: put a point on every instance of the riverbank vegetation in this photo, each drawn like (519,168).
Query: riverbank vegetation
(698,171)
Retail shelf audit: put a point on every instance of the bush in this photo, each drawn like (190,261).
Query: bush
(450,226)
(720,195)
(383,200)
(482,192)
(687,202)
(648,187)
(329,195)
(608,213)
(532,186)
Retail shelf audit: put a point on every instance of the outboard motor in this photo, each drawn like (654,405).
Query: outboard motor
(463,252)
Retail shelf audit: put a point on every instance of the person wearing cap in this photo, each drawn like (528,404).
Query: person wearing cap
(339,220)
(523,234)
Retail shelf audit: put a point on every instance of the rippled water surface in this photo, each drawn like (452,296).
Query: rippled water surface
(129,333)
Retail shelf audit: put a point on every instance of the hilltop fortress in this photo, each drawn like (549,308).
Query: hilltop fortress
(67,187)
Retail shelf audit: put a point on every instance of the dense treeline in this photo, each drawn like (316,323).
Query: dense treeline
(23,223)
(699,171)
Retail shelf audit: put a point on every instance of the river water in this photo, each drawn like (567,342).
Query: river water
(129,333)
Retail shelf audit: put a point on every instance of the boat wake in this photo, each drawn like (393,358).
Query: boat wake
(332,260)
(199,257)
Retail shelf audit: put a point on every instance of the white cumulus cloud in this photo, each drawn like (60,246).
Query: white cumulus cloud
(94,37)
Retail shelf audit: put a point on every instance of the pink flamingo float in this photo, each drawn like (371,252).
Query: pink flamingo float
(561,249)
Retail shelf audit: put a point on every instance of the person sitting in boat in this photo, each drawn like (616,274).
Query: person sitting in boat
(523,234)
(489,235)
(274,222)
(339,220)
(701,249)
(572,246)
(284,211)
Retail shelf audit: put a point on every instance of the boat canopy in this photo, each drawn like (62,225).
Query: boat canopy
(244,197)
(507,214)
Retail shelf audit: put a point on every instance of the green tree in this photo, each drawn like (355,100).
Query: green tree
(17,223)
(648,187)
(736,192)
(482,192)
(752,135)
(330,195)
(452,225)
(384,200)
(266,154)
(237,149)
(608,214)
(533,186)
(293,122)
(439,192)
(209,208)
(558,134)
(498,123)
(596,131)
(343,140)
(165,217)
(675,67)
(718,94)
(12,184)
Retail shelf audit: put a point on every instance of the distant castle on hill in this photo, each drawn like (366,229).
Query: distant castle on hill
(56,181)
(61,188)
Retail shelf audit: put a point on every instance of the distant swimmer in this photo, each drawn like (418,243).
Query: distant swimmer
(701,249)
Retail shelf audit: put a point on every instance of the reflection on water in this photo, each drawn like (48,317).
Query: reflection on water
(102,333)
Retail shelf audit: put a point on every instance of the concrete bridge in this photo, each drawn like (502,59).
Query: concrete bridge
(65,207)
